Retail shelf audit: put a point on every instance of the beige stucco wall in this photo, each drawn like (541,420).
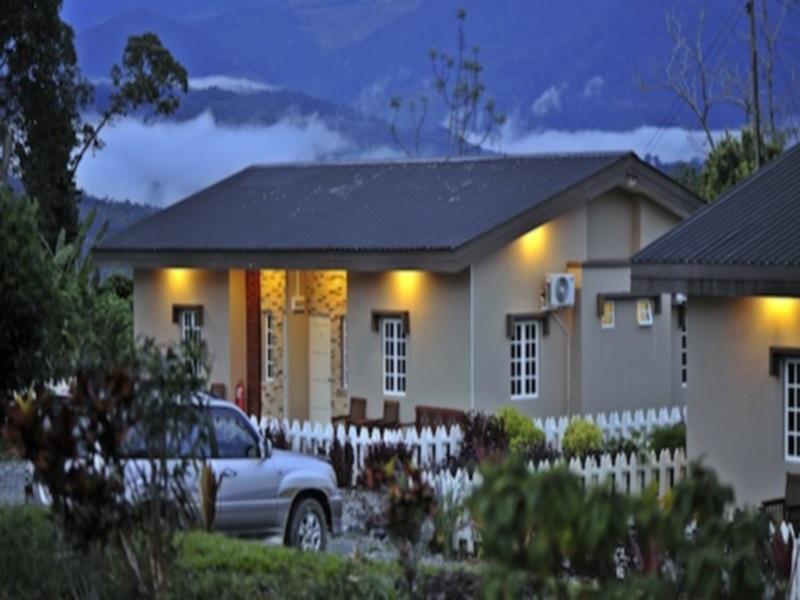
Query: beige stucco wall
(155,292)
(610,227)
(509,281)
(628,366)
(438,341)
(735,407)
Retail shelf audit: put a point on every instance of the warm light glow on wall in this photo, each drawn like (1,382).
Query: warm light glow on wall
(406,283)
(178,279)
(533,242)
(779,309)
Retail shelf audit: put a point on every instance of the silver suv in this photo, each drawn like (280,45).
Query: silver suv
(264,492)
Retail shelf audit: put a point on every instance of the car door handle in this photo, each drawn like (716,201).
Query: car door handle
(229,473)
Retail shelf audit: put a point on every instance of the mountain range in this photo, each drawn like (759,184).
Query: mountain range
(567,65)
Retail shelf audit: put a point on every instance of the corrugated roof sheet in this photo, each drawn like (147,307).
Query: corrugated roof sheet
(375,206)
(757,223)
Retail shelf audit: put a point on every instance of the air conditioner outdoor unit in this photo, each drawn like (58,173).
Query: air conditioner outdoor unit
(560,290)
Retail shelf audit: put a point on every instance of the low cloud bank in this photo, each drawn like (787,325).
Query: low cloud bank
(164,162)
(237,85)
(670,145)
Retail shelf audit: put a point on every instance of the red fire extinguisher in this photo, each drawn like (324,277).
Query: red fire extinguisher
(241,401)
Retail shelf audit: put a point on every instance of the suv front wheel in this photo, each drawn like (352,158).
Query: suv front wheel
(307,530)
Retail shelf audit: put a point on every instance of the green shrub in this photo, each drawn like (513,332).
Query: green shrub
(485,438)
(214,566)
(32,558)
(37,563)
(667,437)
(623,445)
(521,431)
(582,438)
(547,535)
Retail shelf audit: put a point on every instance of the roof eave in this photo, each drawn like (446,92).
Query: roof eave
(715,280)
(353,260)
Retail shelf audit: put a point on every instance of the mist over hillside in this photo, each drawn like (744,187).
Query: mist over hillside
(300,80)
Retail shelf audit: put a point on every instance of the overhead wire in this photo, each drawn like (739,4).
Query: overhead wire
(713,49)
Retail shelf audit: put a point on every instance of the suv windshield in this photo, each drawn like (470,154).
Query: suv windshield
(184,441)
(234,435)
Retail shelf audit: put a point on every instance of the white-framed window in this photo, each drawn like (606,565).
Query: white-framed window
(343,351)
(644,312)
(684,354)
(393,336)
(191,329)
(525,360)
(791,400)
(607,318)
(269,346)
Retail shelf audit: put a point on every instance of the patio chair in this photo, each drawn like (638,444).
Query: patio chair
(391,416)
(218,390)
(357,415)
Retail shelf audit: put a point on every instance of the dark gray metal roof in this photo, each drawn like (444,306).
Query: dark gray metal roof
(409,206)
(756,223)
(750,233)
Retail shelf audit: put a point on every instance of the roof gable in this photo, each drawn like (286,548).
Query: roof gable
(448,207)
(751,233)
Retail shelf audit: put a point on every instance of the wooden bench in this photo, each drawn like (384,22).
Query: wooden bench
(433,416)
(358,415)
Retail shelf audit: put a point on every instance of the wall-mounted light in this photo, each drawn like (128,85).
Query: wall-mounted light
(178,279)
(406,283)
(632,179)
(533,241)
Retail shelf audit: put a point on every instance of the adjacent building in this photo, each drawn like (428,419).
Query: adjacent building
(423,281)
(738,261)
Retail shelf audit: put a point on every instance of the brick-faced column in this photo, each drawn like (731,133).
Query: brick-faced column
(252,296)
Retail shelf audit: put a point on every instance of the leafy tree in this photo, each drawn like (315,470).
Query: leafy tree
(472,119)
(29,301)
(732,160)
(42,93)
(148,76)
(55,315)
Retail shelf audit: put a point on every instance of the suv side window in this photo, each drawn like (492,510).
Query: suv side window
(235,439)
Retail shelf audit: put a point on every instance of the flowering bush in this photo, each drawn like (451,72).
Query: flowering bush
(582,438)
(378,462)
(521,430)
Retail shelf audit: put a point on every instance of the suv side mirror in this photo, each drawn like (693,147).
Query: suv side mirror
(264,448)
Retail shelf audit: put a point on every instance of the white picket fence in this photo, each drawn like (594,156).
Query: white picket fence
(628,475)
(622,424)
(786,531)
(432,447)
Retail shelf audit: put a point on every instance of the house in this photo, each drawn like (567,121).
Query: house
(420,280)
(738,260)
